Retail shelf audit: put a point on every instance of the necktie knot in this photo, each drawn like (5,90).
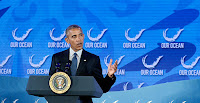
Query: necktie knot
(75,54)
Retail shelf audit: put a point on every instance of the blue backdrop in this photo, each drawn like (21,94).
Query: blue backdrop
(154,41)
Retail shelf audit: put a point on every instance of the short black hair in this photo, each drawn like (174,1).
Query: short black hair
(72,27)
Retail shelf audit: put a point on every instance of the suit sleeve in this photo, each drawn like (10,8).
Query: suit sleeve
(105,83)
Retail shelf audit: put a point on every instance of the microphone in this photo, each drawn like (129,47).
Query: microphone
(67,67)
(58,65)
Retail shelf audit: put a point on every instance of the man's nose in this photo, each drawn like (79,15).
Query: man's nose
(78,38)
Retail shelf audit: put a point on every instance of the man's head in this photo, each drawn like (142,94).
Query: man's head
(75,37)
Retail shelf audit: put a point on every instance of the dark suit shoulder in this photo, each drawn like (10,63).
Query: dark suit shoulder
(88,54)
(62,53)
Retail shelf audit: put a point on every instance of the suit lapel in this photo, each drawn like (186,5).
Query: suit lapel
(66,55)
(65,60)
(82,63)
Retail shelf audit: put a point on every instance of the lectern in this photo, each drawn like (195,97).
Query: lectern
(80,86)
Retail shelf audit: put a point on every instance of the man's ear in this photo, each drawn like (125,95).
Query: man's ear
(67,40)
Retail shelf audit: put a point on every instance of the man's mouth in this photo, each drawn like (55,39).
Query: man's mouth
(79,44)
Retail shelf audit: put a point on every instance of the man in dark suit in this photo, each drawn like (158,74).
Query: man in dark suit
(83,62)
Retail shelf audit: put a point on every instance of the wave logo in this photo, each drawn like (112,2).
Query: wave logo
(191,65)
(116,101)
(3,100)
(152,65)
(125,86)
(98,37)
(24,35)
(118,61)
(37,101)
(5,61)
(134,38)
(137,101)
(174,37)
(15,101)
(39,64)
(58,38)
(140,85)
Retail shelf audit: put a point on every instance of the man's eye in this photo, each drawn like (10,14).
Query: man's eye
(74,36)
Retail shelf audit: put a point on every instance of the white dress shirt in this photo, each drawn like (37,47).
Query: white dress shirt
(78,56)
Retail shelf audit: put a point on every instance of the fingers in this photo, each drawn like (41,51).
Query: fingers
(116,63)
(110,62)
(112,68)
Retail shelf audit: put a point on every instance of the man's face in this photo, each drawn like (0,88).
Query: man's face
(75,38)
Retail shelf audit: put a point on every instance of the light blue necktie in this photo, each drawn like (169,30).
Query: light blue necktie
(74,65)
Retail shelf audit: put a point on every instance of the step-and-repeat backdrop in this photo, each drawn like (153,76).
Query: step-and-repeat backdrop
(154,41)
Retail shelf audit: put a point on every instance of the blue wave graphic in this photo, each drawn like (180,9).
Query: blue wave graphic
(173,92)
(70,9)
(183,4)
(131,8)
(171,78)
(92,19)
(14,88)
(120,86)
(3,11)
(32,12)
(178,19)
(171,58)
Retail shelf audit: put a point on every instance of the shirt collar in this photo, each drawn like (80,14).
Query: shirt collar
(71,51)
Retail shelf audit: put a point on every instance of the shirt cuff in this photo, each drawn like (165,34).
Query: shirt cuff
(113,78)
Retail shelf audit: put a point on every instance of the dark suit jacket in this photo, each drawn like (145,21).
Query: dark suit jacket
(89,66)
